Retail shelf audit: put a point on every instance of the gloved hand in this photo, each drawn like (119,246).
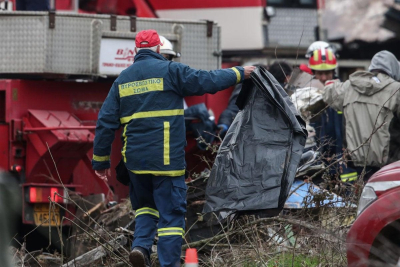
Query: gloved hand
(328,82)
(223,128)
(248,70)
(103,174)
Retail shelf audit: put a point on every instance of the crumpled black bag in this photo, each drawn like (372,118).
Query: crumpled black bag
(257,161)
(122,173)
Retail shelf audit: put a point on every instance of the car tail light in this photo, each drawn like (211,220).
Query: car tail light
(42,194)
(368,196)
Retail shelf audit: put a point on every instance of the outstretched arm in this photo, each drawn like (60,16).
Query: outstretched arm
(190,81)
(334,94)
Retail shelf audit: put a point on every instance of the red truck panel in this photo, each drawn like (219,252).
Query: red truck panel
(84,100)
(4,131)
(4,150)
(2,105)
(64,99)
(67,146)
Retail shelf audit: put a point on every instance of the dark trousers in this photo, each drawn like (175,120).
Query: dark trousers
(160,205)
(369,171)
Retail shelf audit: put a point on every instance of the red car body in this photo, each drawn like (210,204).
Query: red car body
(375,225)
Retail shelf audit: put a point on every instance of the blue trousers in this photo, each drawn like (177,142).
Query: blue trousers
(160,205)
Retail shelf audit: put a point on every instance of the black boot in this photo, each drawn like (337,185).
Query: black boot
(139,257)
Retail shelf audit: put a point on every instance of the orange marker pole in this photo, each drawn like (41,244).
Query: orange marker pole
(191,259)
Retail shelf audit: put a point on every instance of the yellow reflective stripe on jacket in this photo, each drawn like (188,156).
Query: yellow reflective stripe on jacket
(349,177)
(339,112)
(152,114)
(101,158)
(125,142)
(171,231)
(166,142)
(238,76)
(147,211)
(162,173)
(141,87)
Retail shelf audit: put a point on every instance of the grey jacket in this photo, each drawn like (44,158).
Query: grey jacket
(370,104)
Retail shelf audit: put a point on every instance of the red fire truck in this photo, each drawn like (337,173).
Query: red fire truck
(55,71)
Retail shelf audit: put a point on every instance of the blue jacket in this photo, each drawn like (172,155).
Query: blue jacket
(331,138)
(331,135)
(147,100)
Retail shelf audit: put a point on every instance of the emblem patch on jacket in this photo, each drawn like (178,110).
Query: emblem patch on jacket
(141,87)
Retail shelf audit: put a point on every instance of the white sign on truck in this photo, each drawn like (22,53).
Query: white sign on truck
(115,55)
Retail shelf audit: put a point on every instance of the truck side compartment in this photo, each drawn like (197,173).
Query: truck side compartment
(58,125)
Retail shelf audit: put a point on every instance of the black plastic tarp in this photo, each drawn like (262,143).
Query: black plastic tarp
(257,160)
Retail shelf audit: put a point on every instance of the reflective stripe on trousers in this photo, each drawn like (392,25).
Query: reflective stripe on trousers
(171,231)
(147,211)
(349,177)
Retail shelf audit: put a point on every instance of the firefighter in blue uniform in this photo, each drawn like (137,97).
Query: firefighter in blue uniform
(322,62)
(147,101)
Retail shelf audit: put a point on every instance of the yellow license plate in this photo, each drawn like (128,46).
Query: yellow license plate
(43,217)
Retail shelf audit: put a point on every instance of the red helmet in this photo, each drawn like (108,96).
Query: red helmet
(322,59)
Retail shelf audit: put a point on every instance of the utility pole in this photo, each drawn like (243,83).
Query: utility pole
(320,9)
